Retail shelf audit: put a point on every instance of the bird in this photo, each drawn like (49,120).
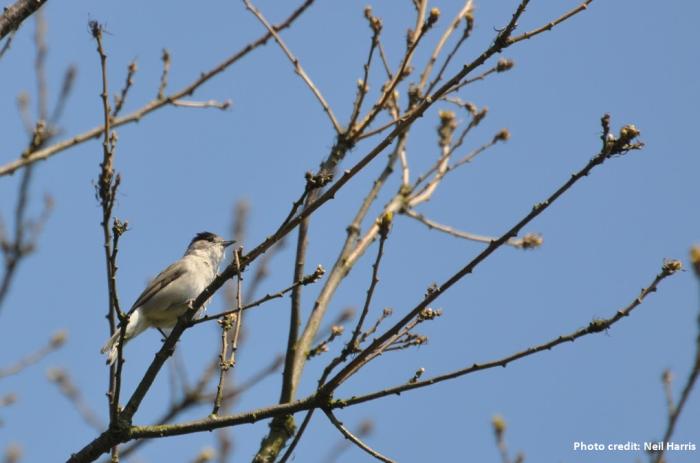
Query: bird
(171,292)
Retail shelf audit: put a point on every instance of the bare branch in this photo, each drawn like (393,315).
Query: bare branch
(57,340)
(595,326)
(8,43)
(308,279)
(364,429)
(466,10)
(227,323)
(297,436)
(619,146)
(529,241)
(45,153)
(353,345)
(121,98)
(165,57)
(13,15)
(196,396)
(362,85)
(66,89)
(62,379)
(499,430)
(388,89)
(465,35)
(26,232)
(503,65)
(297,65)
(354,439)
(675,410)
(551,24)
(667,380)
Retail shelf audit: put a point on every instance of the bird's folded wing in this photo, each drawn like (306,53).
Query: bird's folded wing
(164,278)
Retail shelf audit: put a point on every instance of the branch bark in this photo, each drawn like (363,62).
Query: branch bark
(15,14)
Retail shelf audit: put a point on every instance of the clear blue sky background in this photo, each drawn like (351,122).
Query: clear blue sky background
(183,169)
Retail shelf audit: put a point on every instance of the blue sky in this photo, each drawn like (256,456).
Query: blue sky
(183,169)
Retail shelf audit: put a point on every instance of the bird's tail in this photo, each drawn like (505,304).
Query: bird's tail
(135,326)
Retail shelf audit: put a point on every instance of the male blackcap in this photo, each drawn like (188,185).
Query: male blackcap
(169,294)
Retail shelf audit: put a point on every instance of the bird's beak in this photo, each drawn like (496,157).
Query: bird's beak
(228,243)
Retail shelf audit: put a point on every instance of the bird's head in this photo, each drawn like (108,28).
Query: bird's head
(210,245)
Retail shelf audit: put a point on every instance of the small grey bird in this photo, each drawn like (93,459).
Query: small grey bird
(169,294)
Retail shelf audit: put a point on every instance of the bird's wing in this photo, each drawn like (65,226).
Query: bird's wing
(164,278)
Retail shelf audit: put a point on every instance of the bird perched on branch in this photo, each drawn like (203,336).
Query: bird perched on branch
(170,294)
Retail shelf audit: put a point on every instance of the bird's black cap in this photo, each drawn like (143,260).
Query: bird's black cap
(211,237)
(205,236)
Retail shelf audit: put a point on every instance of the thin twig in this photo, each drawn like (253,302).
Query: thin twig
(40,66)
(469,157)
(322,347)
(107,185)
(386,313)
(365,428)
(551,24)
(297,437)
(499,431)
(529,241)
(118,229)
(466,82)
(354,439)
(226,324)
(66,89)
(363,86)
(297,65)
(353,345)
(675,410)
(385,61)
(25,236)
(383,235)
(619,147)
(57,340)
(452,53)
(378,130)
(239,304)
(8,43)
(295,312)
(388,89)
(595,326)
(121,98)
(308,279)
(165,57)
(466,10)
(62,379)
(667,380)
(45,153)
(196,396)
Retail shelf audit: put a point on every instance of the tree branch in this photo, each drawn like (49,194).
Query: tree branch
(13,15)
(45,153)
(354,439)
(297,65)
(595,326)
(619,146)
